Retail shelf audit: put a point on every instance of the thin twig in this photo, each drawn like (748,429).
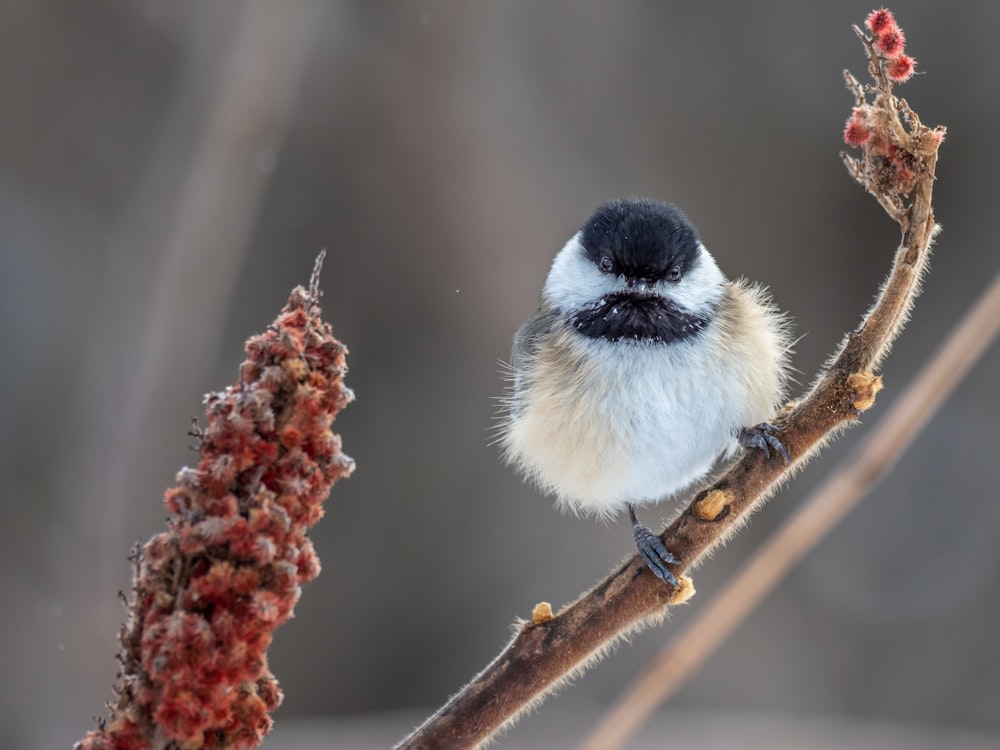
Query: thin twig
(871,461)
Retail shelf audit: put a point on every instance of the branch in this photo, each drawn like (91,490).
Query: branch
(897,166)
(870,461)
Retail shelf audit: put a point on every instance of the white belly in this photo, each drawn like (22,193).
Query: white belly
(630,426)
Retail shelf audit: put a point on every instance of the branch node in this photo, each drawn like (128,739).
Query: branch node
(865,386)
(542,613)
(684,591)
(714,506)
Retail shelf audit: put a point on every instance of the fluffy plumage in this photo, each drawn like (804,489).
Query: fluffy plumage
(642,365)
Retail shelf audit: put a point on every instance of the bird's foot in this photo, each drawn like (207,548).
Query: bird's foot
(763,436)
(652,550)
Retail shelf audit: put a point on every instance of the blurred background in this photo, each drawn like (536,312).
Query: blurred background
(169,171)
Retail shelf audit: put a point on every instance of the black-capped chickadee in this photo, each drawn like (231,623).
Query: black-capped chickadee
(641,368)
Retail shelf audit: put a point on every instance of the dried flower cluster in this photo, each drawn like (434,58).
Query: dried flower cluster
(893,154)
(887,41)
(210,591)
(889,38)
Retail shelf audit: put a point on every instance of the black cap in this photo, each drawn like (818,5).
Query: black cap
(643,238)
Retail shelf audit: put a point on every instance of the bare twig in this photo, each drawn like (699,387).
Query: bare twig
(898,167)
(871,461)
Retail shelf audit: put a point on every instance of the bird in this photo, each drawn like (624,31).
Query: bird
(643,366)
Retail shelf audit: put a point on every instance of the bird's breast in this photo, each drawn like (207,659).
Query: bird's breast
(604,423)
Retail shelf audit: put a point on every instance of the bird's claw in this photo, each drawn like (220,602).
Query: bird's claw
(652,550)
(763,436)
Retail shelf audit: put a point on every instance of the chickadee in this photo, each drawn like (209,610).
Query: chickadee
(641,368)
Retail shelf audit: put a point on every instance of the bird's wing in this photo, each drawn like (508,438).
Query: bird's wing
(527,336)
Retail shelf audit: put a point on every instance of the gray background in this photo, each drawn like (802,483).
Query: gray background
(169,170)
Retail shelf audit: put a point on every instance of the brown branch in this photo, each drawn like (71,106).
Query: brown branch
(548,650)
(870,461)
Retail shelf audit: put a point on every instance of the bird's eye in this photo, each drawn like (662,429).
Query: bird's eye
(674,274)
(606,265)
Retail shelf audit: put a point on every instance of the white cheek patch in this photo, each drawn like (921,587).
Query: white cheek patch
(700,289)
(574,282)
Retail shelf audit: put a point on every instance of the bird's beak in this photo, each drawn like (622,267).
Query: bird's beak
(640,286)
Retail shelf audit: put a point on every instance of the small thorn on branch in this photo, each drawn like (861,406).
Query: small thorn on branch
(314,291)
(196,432)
